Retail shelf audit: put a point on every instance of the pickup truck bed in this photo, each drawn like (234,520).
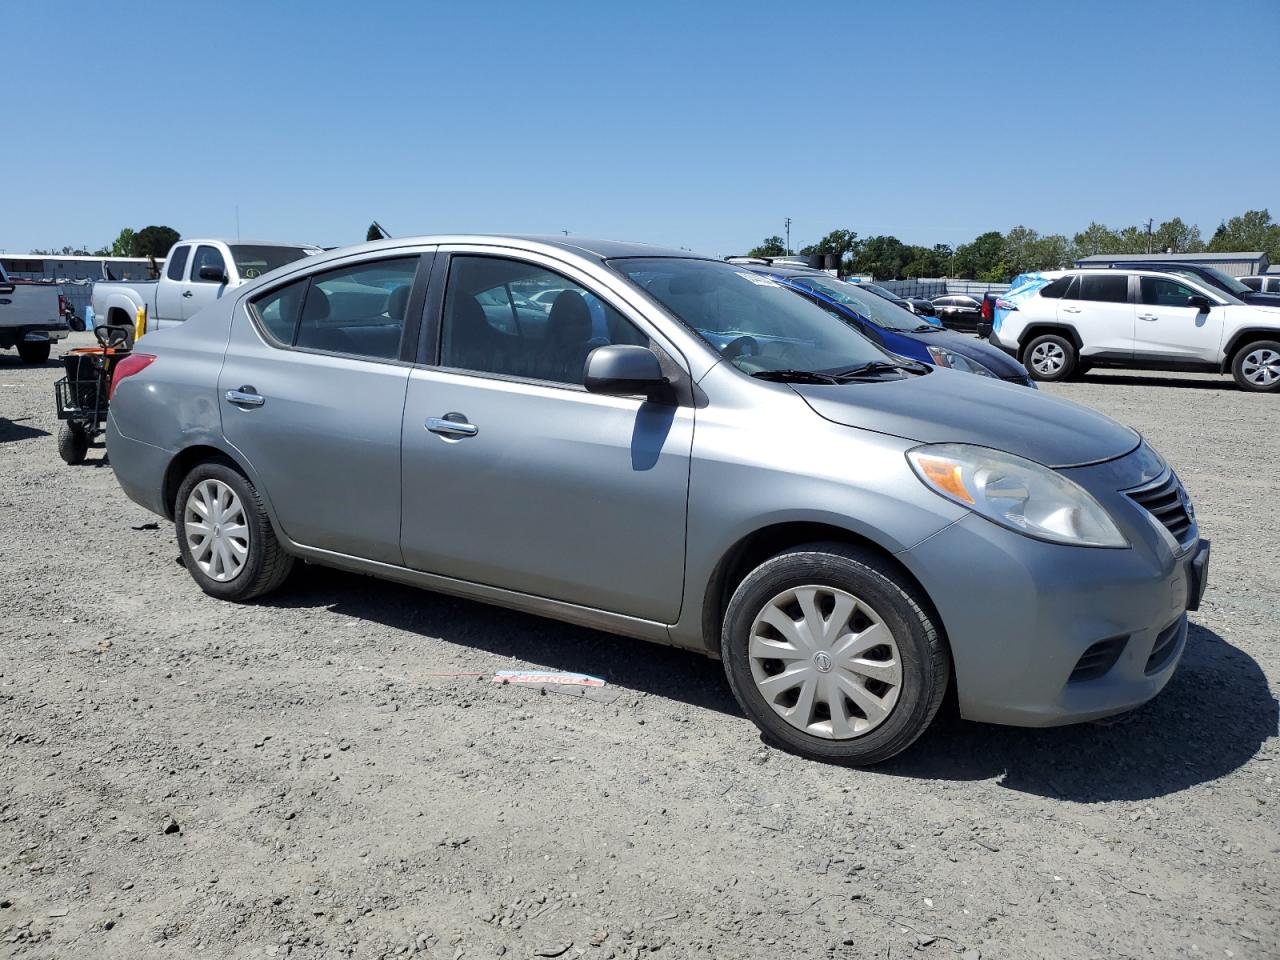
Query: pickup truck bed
(31,318)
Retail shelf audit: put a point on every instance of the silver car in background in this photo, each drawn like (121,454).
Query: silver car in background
(679,450)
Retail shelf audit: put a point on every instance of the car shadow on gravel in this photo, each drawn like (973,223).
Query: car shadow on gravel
(1210,720)
(14,430)
(1208,382)
(630,664)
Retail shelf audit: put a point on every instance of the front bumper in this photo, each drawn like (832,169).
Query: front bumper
(1021,614)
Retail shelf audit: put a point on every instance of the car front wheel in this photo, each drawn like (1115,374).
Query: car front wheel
(1256,366)
(829,650)
(1050,358)
(225,535)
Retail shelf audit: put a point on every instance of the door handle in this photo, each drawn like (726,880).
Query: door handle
(244,397)
(1070,309)
(1148,316)
(188,294)
(451,425)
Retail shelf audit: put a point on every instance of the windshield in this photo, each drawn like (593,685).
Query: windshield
(253,260)
(1220,279)
(883,313)
(753,321)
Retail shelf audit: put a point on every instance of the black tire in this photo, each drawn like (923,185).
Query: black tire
(34,353)
(925,659)
(1251,351)
(266,566)
(73,443)
(1053,347)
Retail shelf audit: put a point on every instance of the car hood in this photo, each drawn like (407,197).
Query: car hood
(949,407)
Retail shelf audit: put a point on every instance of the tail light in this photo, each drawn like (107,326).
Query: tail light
(62,305)
(986,308)
(127,367)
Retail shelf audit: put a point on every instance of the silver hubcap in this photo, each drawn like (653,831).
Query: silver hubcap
(217,534)
(1261,366)
(825,662)
(1048,358)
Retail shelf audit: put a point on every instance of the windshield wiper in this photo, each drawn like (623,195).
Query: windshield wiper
(880,366)
(795,376)
(925,328)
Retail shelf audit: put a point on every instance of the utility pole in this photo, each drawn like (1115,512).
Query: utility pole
(565,232)
(1148,234)
(787,223)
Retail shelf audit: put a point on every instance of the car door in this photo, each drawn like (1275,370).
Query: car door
(312,392)
(1099,308)
(1170,329)
(170,304)
(197,293)
(514,475)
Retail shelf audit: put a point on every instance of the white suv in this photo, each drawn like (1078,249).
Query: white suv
(1065,321)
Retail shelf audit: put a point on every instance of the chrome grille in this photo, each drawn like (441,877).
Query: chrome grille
(1167,502)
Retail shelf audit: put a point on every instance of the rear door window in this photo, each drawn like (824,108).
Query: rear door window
(278,310)
(1057,289)
(358,310)
(1104,287)
(177,262)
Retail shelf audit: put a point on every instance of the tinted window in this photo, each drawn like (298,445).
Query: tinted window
(1164,293)
(876,309)
(492,325)
(206,257)
(358,310)
(1107,287)
(278,310)
(1057,288)
(1273,286)
(177,262)
(1253,283)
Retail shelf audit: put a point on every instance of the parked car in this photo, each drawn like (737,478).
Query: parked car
(896,300)
(921,306)
(724,467)
(195,274)
(896,330)
(31,317)
(1060,322)
(1269,283)
(1210,277)
(959,311)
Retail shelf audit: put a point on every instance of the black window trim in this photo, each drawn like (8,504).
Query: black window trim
(413,313)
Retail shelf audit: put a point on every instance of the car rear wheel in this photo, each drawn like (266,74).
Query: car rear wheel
(34,352)
(829,650)
(1256,366)
(225,535)
(1050,358)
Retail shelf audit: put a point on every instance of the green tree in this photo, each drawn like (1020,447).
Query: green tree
(1252,230)
(155,241)
(883,257)
(123,245)
(840,242)
(1174,236)
(981,259)
(772,247)
(102,252)
(1095,239)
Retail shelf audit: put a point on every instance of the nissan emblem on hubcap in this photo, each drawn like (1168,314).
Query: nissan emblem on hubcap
(822,660)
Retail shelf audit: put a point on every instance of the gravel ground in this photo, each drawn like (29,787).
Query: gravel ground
(331,773)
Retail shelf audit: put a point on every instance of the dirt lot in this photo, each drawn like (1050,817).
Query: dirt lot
(317,775)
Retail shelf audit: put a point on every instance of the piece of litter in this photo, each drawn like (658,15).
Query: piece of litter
(151,525)
(547,676)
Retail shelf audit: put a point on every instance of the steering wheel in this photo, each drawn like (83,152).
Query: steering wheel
(744,346)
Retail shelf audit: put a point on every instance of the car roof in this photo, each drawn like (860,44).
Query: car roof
(785,271)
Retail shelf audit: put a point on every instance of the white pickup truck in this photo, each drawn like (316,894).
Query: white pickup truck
(195,274)
(31,317)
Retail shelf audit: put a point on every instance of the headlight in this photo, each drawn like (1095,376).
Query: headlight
(1019,494)
(949,358)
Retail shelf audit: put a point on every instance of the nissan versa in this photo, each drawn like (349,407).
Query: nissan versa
(679,450)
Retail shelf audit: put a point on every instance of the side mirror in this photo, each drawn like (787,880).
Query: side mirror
(624,370)
(7,287)
(1201,303)
(213,274)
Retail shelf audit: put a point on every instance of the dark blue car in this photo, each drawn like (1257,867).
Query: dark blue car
(897,330)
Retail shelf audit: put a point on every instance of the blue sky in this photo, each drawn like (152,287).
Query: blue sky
(697,124)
